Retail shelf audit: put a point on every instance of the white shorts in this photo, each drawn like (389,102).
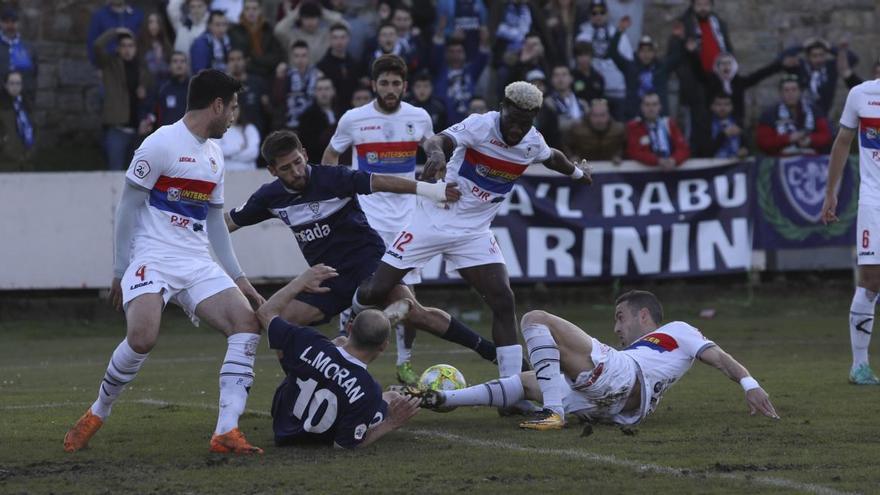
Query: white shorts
(868,235)
(600,394)
(415,275)
(185,282)
(416,245)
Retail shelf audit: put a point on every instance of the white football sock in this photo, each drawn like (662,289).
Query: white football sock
(357,306)
(236,378)
(861,323)
(404,354)
(544,356)
(509,360)
(124,365)
(503,392)
(343,321)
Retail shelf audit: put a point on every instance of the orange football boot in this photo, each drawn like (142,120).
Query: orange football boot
(78,437)
(233,442)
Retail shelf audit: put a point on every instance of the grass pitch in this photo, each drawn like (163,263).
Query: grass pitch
(700,440)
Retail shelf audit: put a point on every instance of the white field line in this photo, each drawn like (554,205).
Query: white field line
(496,445)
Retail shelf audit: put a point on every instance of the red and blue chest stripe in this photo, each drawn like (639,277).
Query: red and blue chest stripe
(390,158)
(658,341)
(869,132)
(490,173)
(182,196)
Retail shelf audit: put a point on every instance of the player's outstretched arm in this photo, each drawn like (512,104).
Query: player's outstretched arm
(308,281)
(221,243)
(230,224)
(756,397)
(330,157)
(581,172)
(438,148)
(839,154)
(133,198)
(438,191)
(400,410)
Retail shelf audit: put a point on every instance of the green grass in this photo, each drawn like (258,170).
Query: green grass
(700,440)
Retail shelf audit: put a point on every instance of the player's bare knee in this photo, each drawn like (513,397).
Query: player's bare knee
(141,342)
(869,278)
(535,317)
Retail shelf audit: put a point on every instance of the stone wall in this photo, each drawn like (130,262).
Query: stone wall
(68,102)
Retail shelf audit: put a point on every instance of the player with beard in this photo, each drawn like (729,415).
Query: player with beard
(386,134)
(169,219)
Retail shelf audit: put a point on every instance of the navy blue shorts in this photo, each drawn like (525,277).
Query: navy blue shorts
(342,289)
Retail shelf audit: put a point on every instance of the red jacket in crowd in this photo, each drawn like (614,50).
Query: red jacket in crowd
(638,143)
(773,135)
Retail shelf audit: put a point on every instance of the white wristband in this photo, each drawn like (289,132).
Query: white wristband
(577,174)
(435,191)
(749,383)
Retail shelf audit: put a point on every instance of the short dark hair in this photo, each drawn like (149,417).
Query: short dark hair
(279,143)
(789,77)
(649,93)
(385,25)
(124,36)
(310,9)
(178,52)
(638,299)
(422,75)
(215,13)
(583,48)
(233,50)
(403,8)
(207,86)
(560,66)
(388,63)
(721,95)
(299,44)
(455,42)
(339,27)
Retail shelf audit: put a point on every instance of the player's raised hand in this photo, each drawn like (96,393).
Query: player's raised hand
(311,279)
(829,209)
(401,409)
(759,402)
(435,167)
(250,293)
(116,293)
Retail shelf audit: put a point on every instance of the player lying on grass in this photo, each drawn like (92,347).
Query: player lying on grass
(328,396)
(575,373)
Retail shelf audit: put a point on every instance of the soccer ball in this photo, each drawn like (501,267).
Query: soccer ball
(442,377)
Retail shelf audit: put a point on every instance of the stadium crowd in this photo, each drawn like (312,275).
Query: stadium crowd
(606,85)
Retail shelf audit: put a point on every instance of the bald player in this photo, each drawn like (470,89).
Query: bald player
(328,397)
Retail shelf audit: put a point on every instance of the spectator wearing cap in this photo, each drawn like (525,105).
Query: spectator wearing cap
(588,84)
(16,54)
(189,18)
(597,136)
(569,108)
(338,65)
(210,49)
(117,13)
(547,120)
(16,126)
(647,73)
(455,77)
(294,86)
(654,140)
(599,31)
(817,72)
(466,19)
(792,126)
(310,23)
(253,35)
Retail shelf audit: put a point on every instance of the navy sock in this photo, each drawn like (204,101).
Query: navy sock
(459,333)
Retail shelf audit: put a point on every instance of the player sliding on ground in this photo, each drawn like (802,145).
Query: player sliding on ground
(488,154)
(170,212)
(576,374)
(328,396)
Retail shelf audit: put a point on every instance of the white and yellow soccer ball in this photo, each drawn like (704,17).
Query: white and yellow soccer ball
(442,377)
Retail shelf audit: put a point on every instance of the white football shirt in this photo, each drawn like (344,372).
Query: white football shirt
(862,113)
(485,169)
(384,144)
(664,356)
(184,176)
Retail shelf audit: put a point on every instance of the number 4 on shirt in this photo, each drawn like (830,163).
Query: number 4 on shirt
(141,272)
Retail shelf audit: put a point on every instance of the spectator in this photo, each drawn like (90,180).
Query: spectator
(598,136)
(189,19)
(510,23)
(478,105)
(655,140)
(569,109)
(154,47)
(600,32)
(423,97)
(646,73)
(319,119)
(117,13)
(254,95)
(16,127)
(254,36)
(455,78)
(385,43)
(309,23)
(412,50)
(125,90)
(793,126)
(726,138)
(171,99)
(16,54)
(561,16)
(232,9)
(850,78)
(361,97)
(465,19)
(588,84)
(209,51)
(817,72)
(240,144)
(294,87)
(338,65)
(547,121)
(532,57)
